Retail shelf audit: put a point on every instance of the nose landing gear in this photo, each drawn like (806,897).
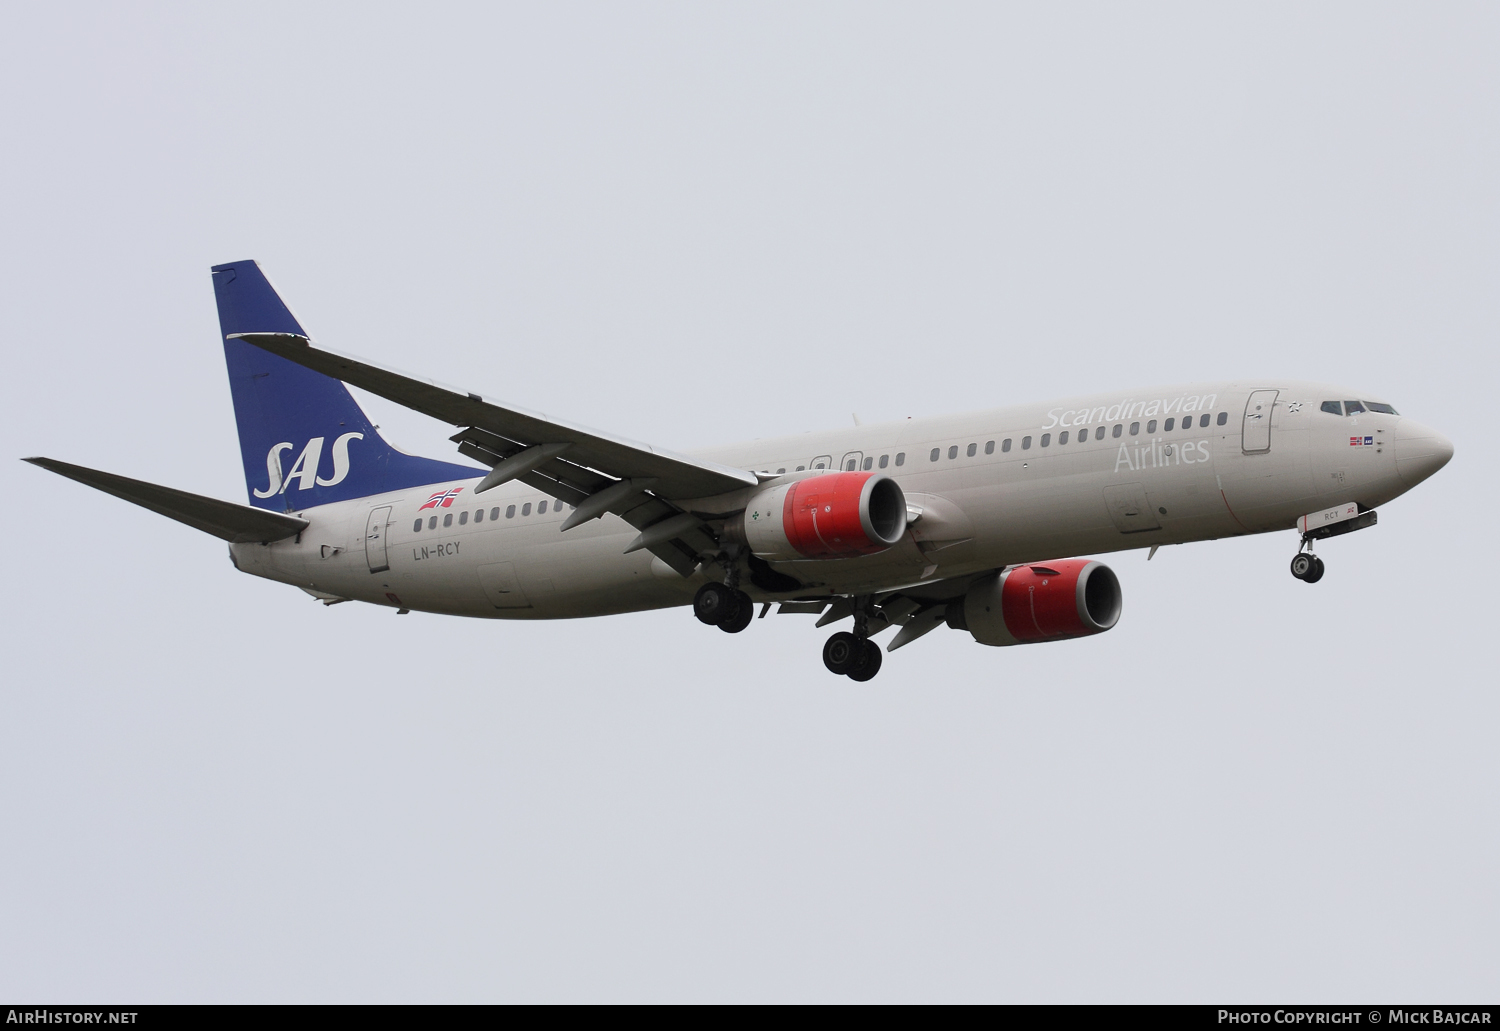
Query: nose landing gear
(1307,567)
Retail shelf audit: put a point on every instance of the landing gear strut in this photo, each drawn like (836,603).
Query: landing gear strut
(1306,566)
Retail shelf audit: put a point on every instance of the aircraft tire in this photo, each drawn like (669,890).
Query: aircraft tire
(841,652)
(742,615)
(716,604)
(868,663)
(1315,573)
(1302,565)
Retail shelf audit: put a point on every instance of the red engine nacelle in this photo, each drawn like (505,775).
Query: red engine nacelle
(1052,602)
(835,515)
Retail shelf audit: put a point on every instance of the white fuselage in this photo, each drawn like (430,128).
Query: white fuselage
(1002,489)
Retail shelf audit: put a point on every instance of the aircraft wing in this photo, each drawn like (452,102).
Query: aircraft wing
(239,524)
(515,430)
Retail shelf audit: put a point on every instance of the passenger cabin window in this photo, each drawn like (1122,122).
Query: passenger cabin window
(448,519)
(541,509)
(526,509)
(885,460)
(900,457)
(850,466)
(510,511)
(1099,433)
(463,517)
(936,453)
(1150,427)
(801,467)
(1046,439)
(1223,418)
(1005,446)
(494,514)
(432,523)
(1135,429)
(1062,438)
(1025,443)
(416,527)
(479,515)
(953,452)
(989,447)
(1168,427)
(1202,422)
(780,471)
(1376,406)
(1119,429)
(869,462)
(973,450)
(1332,408)
(1353,407)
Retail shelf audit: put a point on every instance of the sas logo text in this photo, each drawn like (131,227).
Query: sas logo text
(305,468)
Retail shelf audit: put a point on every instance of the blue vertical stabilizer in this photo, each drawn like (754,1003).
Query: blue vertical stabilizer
(303,438)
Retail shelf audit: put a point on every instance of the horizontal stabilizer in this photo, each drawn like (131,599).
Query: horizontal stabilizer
(238,524)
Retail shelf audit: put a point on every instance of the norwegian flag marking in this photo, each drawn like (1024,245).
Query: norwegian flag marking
(442,499)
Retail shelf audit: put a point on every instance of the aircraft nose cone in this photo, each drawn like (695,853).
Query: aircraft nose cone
(1420,451)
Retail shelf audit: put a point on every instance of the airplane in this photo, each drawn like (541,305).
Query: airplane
(958,521)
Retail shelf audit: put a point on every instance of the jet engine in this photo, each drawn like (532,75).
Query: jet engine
(835,515)
(1051,602)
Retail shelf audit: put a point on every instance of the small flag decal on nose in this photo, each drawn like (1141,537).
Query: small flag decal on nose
(1361,441)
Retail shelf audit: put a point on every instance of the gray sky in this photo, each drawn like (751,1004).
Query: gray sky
(695,224)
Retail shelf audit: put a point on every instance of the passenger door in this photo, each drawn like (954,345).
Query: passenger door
(1256,437)
(821,462)
(375,539)
(851,462)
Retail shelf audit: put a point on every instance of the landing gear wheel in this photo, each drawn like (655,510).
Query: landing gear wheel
(716,604)
(841,652)
(1302,565)
(1316,573)
(742,615)
(868,664)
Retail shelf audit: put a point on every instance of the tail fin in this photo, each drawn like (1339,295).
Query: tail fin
(303,438)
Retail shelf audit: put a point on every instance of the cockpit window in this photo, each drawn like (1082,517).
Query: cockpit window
(1376,406)
(1333,408)
(1353,407)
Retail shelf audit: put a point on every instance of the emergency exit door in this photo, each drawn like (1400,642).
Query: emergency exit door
(1256,436)
(375,540)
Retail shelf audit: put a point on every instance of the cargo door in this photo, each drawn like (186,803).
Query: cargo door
(1128,508)
(502,587)
(1256,437)
(375,539)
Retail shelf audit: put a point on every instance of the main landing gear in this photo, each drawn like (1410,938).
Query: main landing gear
(725,607)
(851,655)
(857,658)
(1307,567)
(854,655)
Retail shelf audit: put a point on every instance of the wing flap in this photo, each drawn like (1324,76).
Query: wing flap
(238,524)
